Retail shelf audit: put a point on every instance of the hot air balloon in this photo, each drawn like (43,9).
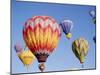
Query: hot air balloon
(94,39)
(18,48)
(41,35)
(67,26)
(93,15)
(80,48)
(25,56)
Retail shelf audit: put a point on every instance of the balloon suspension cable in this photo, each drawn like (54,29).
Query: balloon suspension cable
(82,65)
(27,67)
(25,47)
(42,66)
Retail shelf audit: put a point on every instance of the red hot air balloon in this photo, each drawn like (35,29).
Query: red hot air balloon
(41,35)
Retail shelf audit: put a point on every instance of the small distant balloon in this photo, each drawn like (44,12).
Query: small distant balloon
(94,20)
(94,39)
(67,26)
(18,48)
(93,13)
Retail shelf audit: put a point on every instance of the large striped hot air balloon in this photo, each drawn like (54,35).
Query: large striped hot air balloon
(80,48)
(67,26)
(41,35)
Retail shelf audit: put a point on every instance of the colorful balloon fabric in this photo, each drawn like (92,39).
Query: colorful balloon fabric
(80,48)
(93,15)
(41,35)
(27,57)
(67,26)
(18,48)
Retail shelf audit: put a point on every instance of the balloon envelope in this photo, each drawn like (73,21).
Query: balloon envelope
(41,35)
(94,38)
(93,13)
(67,26)
(18,48)
(94,20)
(80,48)
(27,57)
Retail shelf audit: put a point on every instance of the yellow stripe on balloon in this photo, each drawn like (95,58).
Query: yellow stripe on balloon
(54,39)
(33,39)
(45,37)
(41,38)
(49,39)
(37,36)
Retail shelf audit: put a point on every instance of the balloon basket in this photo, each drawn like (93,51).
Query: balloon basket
(42,67)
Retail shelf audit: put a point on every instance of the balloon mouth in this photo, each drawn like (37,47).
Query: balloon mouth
(68,35)
(41,57)
(81,62)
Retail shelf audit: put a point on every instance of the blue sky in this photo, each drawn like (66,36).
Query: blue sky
(62,58)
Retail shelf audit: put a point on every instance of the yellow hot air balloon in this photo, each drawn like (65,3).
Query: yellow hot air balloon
(80,48)
(27,57)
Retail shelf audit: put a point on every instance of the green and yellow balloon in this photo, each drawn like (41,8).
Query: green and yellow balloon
(80,48)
